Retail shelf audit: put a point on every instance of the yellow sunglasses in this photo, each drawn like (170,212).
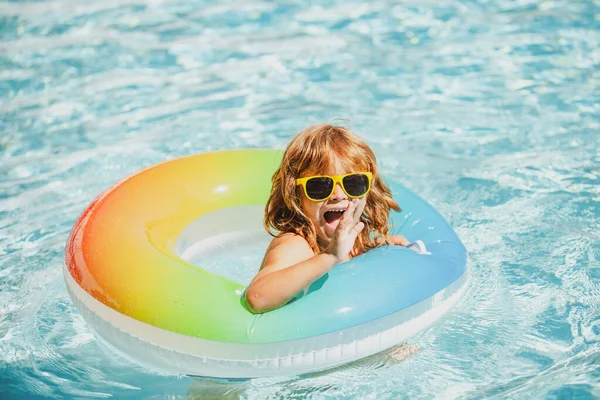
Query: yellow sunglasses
(320,187)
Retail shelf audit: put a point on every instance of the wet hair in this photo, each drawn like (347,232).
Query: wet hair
(311,152)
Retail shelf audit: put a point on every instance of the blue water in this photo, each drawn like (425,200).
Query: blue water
(489,109)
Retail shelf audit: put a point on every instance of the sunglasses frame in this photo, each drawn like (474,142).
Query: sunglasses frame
(336,179)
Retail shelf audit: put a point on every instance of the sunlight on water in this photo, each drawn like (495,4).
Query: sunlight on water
(488,109)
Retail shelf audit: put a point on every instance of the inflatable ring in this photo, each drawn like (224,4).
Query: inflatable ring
(125,274)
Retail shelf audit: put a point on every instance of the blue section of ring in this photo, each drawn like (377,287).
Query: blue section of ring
(383,281)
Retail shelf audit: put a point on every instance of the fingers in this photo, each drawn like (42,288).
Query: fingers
(353,213)
(357,229)
(347,217)
(350,221)
(347,231)
(357,211)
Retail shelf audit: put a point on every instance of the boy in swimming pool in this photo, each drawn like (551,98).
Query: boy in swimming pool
(327,205)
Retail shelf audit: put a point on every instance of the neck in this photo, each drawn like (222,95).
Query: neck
(322,243)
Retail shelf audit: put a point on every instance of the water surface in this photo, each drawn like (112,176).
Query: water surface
(488,109)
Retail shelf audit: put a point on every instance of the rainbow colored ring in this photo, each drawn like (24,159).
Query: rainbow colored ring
(125,277)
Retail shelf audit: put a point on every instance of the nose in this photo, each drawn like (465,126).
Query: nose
(338,193)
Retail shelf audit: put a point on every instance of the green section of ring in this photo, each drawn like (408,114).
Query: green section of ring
(124,243)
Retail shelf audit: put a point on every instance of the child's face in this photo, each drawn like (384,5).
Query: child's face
(320,213)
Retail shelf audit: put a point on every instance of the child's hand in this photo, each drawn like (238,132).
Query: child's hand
(398,240)
(347,230)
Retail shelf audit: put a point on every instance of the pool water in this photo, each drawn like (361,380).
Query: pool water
(489,109)
(230,242)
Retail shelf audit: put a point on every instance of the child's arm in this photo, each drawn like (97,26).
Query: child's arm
(290,265)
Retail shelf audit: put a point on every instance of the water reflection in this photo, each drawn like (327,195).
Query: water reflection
(300,386)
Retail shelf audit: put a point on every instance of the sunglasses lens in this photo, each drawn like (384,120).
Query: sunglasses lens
(319,188)
(356,185)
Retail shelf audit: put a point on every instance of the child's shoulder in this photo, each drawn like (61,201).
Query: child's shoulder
(289,240)
(286,249)
(289,245)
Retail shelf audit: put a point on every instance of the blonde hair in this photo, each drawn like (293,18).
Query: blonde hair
(313,151)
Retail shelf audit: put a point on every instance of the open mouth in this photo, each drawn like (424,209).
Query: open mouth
(333,215)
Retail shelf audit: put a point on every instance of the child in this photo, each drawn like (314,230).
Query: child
(327,205)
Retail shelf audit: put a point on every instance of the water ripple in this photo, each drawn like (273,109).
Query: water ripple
(489,109)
